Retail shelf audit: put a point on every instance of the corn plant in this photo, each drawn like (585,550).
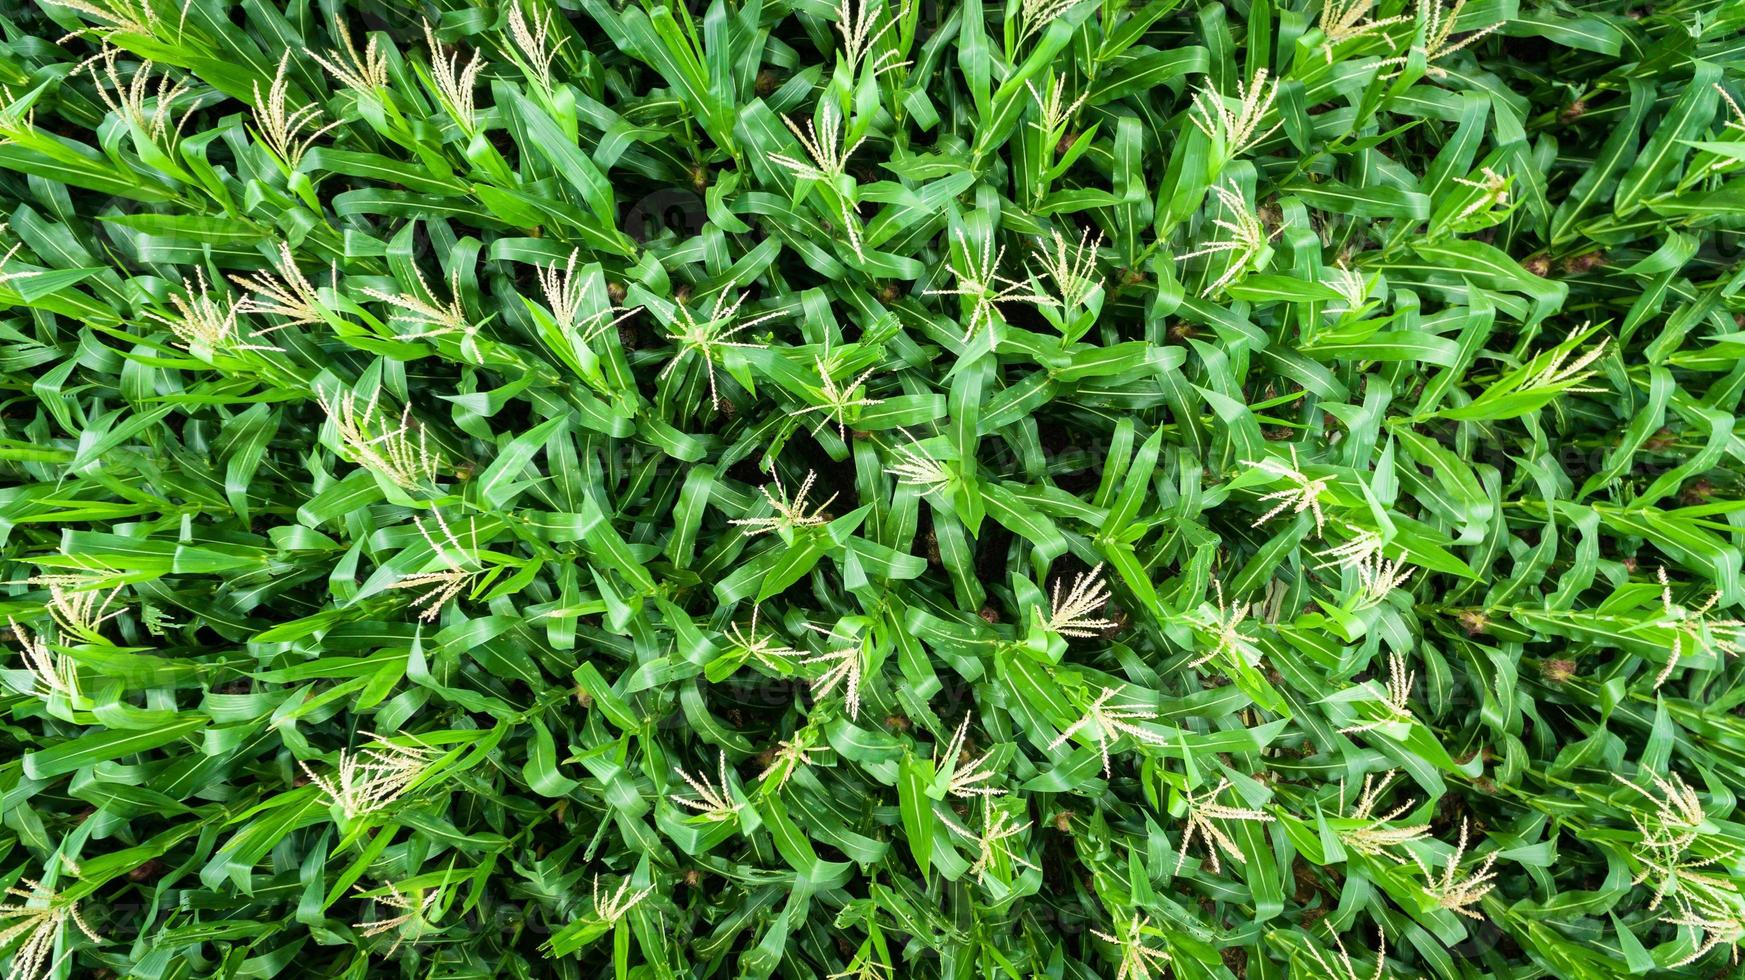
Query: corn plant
(1061,488)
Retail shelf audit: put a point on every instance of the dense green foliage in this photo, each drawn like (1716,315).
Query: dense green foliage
(1084,489)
